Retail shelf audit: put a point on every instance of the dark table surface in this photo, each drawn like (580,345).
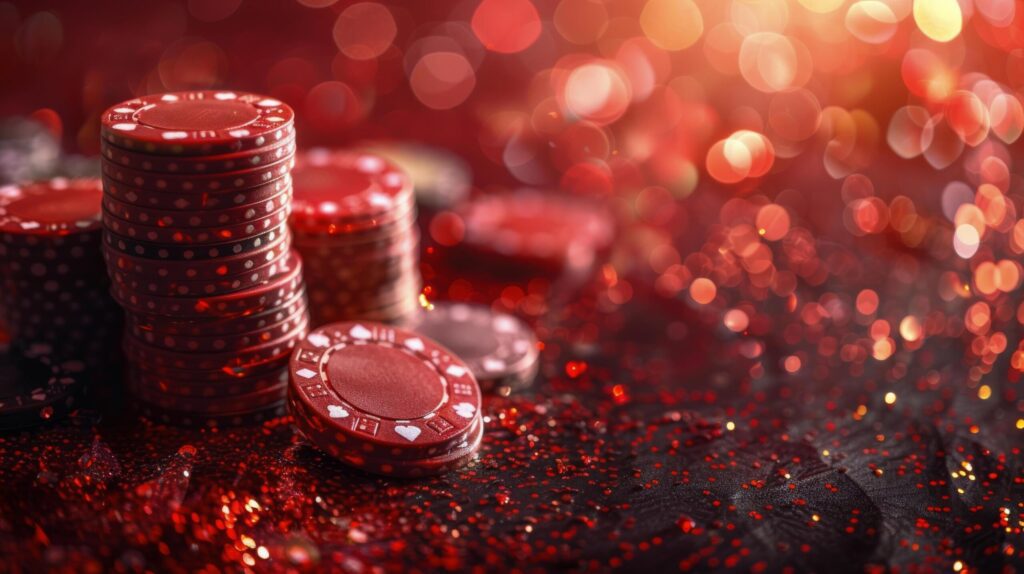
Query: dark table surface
(654,440)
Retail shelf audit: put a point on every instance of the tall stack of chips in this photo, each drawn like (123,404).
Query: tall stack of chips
(354,222)
(54,290)
(196,204)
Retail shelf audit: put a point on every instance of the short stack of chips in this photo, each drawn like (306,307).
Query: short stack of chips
(385,400)
(53,287)
(354,222)
(197,198)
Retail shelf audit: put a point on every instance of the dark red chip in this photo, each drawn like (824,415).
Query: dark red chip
(150,250)
(218,183)
(198,165)
(36,386)
(202,270)
(218,327)
(542,229)
(197,123)
(497,347)
(384,390)
(165,287)
(280,289)
(55,207)
(249,357)
(197,235)
(187,385)
(336,188)
(457,456)
(192,201)
(222,343)
(211,404)
(201,218)
(200,420)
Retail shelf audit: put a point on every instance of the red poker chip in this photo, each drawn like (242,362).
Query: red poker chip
(200,420)
(222,376)
(201,288)
(190,202)
(333,188)
(201,270)
(361,230)
(224,386)
(222,343)
(197,123)
(385,388)
(55,207)
(85,266)
(388,248)
(218,327)
(274,293)
(456,457)
(196,236)
(542,229)
(203,218)
(217,183)
(249,357)
(248,401)
(198,165)
(497,347)
(392,313)
(149,250)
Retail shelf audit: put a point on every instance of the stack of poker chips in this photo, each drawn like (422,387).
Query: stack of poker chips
(196,204)
(354,222)
(54,290)
(385,400)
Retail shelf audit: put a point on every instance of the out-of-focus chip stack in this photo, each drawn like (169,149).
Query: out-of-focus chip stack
(196,203)
(54,289)
(354,221)
(28,152)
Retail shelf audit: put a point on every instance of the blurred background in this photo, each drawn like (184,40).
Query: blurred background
(737,142)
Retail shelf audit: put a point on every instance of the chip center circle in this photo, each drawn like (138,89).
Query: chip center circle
(385,382)
(198,115)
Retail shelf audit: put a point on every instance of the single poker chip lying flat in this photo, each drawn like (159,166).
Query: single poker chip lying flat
(384,391)
(498,347)
(51,208)
(335,188)
(36,386)
(205,122)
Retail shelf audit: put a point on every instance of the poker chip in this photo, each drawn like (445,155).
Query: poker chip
(192,202)
(196,207)
(206,218)
(369,391)
(192,236)
(55,207)
(199,165)
(499,349)
(440,178)
(53,289)
(537,230)
(199,183)
(354,220)
(37,387)
(201,123)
